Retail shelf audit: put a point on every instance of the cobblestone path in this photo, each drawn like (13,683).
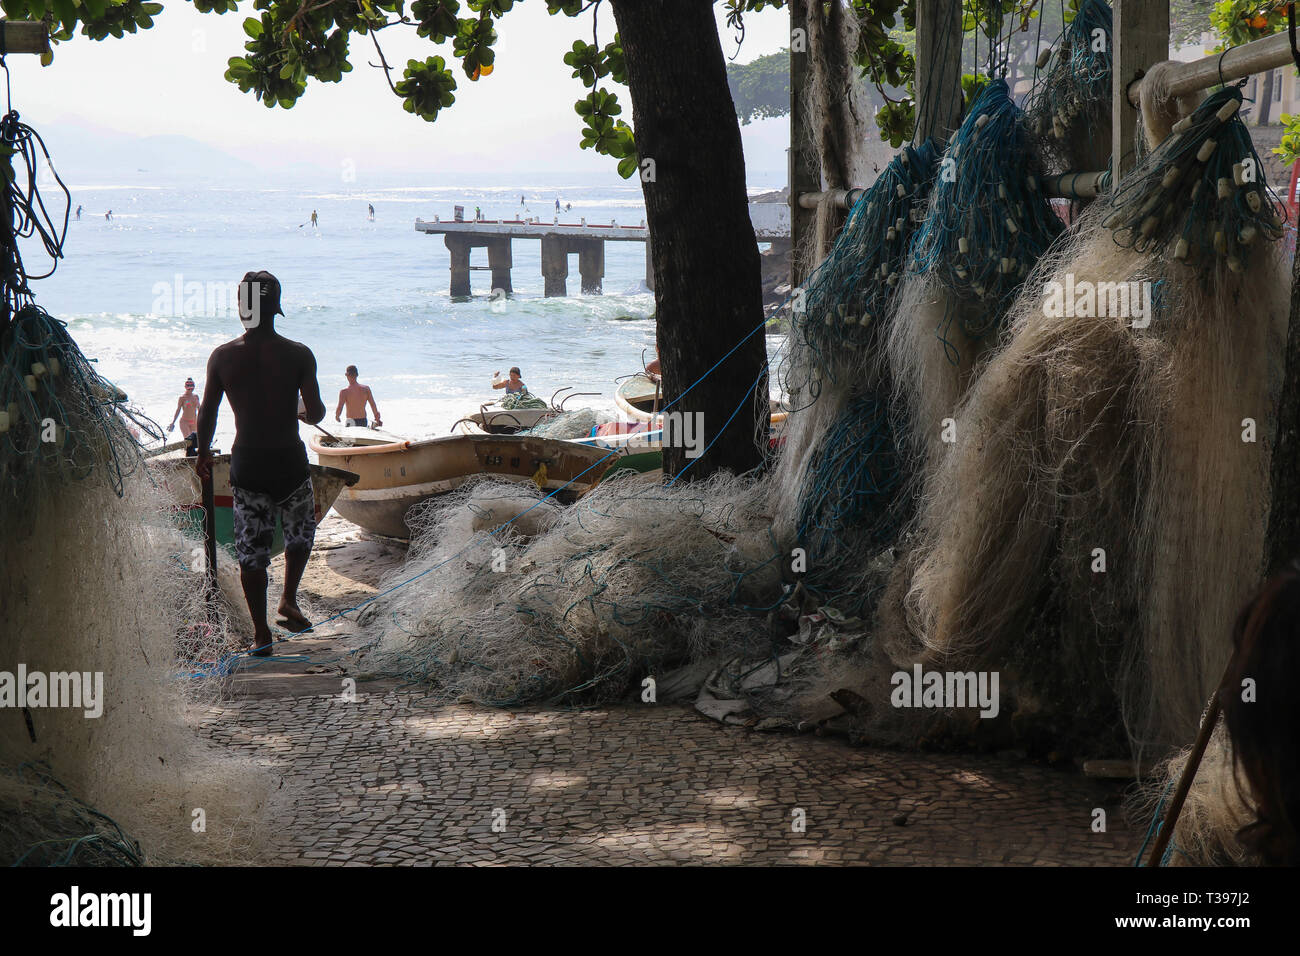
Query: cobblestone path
(388,780)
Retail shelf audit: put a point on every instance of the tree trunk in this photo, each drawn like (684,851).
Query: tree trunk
(1264,109)
(708,293)
(1283,542)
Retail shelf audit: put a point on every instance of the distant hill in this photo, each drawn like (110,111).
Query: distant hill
(96,156)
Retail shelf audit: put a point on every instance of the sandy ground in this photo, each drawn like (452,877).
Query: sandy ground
(346,567)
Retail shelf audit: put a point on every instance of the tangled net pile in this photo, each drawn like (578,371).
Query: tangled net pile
(627,582)
(575,423)
(43,824)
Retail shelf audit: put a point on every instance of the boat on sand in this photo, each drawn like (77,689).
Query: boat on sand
(175,474)
(640,398)
(397,475)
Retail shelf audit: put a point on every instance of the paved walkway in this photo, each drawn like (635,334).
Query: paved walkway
(385,780)
(391,779)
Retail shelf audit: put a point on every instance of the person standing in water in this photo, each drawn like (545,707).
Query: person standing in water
(313,218)
(187,410)
(78,213)
(265,376)
(371,215)
(108,216)
(355,397)
(513,385)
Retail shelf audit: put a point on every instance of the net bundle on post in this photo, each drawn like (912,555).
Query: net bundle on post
(838,477)
(987,225)
(1065,537)
(1069,109)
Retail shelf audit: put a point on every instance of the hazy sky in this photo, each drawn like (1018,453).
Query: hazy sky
(168,80)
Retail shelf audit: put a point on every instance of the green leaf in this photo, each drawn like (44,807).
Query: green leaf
(253,27)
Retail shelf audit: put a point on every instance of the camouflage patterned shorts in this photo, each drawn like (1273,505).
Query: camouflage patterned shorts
(255,515)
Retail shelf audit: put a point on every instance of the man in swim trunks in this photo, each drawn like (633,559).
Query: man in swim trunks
(187,409)
(263,374)
(355,397)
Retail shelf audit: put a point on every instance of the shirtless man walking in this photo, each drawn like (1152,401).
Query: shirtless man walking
(355,397)
(187,410)
(263,374)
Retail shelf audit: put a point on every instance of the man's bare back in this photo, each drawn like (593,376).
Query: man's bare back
(263,374)
(354,399)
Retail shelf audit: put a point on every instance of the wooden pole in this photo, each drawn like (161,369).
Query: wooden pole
(1208,721)
(1140,33)
(209,533)
(805,167)
(938,68)
(25,36)
(1258,56)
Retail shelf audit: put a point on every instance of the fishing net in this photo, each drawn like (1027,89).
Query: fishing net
(1217,806)
(1096,454)
(43,824)
(1202,196)
(1069,109)
(629,581)
(101,585)
(522,399)
(576,423)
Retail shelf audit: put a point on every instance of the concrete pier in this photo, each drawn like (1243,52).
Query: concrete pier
(559,241)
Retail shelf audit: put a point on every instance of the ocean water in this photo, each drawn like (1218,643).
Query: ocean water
(148,295)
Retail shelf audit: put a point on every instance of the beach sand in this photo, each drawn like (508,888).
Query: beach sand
(345,569)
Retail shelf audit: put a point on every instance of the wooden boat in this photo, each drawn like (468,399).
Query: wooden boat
(638,397)
(175,473)
(396,475)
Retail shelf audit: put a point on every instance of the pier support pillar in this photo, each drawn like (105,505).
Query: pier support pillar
(499,261)
(591,265)
(555,266)
(458,247)
(649,267)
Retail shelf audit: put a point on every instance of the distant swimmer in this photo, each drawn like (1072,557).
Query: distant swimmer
(355,397)
(187,410)
(371,207)
(513,385)
(78,212)
(568,206)
(313,218)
